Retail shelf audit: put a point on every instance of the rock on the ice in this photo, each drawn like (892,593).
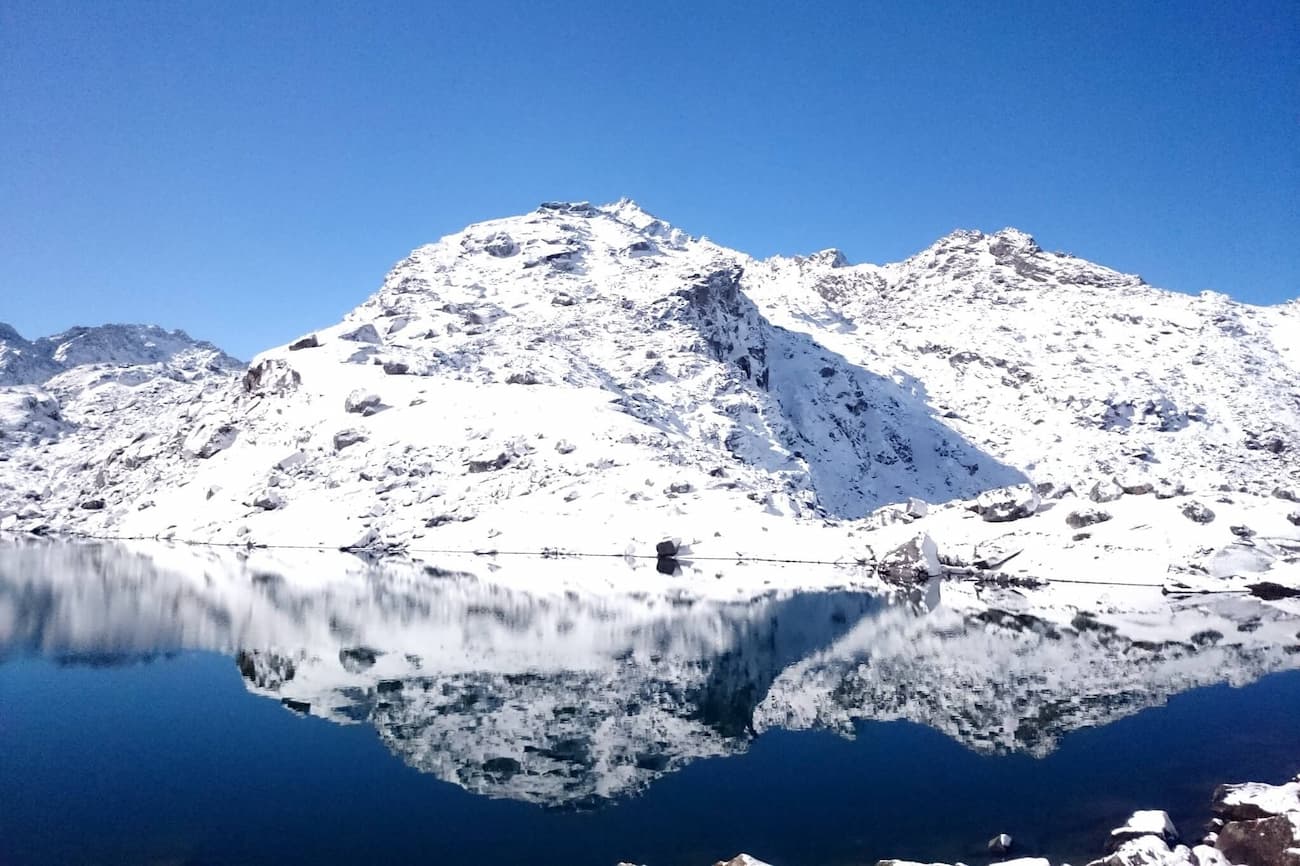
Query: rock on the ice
(916,560)
(1197,512)
(207,440)
(666,548)
(1286,493)
(1007,503)
(396,368)
(367,333)
(350,436)
(1000,844)
(363,402)
(1086,517)
(1294,517)
(1105,490)
(1147,822)
(564,446)
(680,487)
(311,341)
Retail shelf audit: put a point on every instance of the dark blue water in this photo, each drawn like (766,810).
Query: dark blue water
(170,757)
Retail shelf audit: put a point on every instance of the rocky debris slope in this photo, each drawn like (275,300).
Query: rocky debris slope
(587,378)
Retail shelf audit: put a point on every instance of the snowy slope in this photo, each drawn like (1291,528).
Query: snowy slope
(589,378)
(575,697)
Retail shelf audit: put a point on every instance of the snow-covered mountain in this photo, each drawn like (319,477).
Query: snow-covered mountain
(574,699)
(34,362)
(591,378)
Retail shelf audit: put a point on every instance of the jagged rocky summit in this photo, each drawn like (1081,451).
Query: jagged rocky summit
(585,378)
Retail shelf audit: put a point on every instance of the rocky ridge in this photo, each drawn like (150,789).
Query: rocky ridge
(589,378)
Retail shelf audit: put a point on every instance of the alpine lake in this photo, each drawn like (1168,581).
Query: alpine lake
(165,706)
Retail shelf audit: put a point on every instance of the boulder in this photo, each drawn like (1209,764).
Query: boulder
(1286,493)
(363,402)
(1147,851)
(350,436)
(1269,591)
(916,560)
(1149,822)
(1007,503)
(490,463)
(271,376)
(564,446)
(208,440)
(1250,800)
(917,508)
(666,548)
(268,501)
(1197,512)
(93,505)
(1272,841)
(1136,486)
(680,487)
(308,342)
(1242,531)
(1000,844)
(1105,491)
(1086,517)
(396,368)
(365,334)
(1294,517)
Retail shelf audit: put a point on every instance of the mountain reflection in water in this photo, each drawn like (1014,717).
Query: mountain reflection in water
(572,699)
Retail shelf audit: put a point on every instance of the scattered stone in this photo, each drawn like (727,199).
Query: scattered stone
(1105,491)
(295,459)
(357,659)
(1287,494)
(680,487)
(1197,512)
(1136,486)
(564,446)
(1000,844)
(563,299)
(1086,517)
(396,368)
(1294,517)
(527,377)
(1242,531)
(308,342)
(1007,504)
(93,505)
(1081,536)
(345,438)
(490,464)
(363,402)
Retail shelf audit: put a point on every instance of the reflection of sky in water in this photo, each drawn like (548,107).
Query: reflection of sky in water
(571,701)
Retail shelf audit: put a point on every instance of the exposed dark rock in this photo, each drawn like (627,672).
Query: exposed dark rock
(363,402)
(357,659)
(93,504)
(1197,512)
(396,368)
(296,705)
(666,548)
(344,438)
(308,342)
(1268,841)
(1270,591)
(1105,491)
(526,377)
(1000,844)
(1086,517)
(490,464)
(1294,517)
(1242,531)
(367,333)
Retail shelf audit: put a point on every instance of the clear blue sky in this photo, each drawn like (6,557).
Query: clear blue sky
(248,171)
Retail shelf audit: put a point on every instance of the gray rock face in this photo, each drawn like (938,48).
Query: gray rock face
(1273,841)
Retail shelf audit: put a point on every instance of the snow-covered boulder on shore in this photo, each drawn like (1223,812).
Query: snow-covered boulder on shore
(915,560)
(1007,504)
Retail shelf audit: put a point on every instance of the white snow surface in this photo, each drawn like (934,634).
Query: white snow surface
(591,379)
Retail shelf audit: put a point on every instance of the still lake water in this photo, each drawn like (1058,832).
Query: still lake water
(196,708)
